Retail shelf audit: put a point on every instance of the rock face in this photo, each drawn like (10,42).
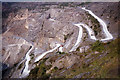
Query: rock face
(15,50)
(66,62)
(42,27)
(40,30)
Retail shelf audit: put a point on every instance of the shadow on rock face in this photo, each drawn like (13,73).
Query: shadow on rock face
(4,66)
(4,69)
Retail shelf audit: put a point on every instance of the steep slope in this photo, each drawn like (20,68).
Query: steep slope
(59,40)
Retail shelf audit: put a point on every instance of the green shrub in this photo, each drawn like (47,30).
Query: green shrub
(55,69)
(15,64)
(67,36)
(61,52)
(40,70)
(95,23)
(97,46)
(33,73)
(20,66)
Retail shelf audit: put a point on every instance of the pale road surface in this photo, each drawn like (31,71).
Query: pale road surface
(90,31)
(78,39)
(43,54)
(107,34)
(61,49)
(51,19)
(19,45)
(26,69)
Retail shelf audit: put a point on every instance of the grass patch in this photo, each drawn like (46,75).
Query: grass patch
(97,46)
(105,66)
(40,71)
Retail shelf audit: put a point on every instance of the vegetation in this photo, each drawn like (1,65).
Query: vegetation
(32,55)
(55,69)
(20,66)
(96,29)
(40,70)
(97,46)
(101,65)
(15,64)
(67,36)
(78,49)
(71,4)
(104,64)
(96,24)
(61,52)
